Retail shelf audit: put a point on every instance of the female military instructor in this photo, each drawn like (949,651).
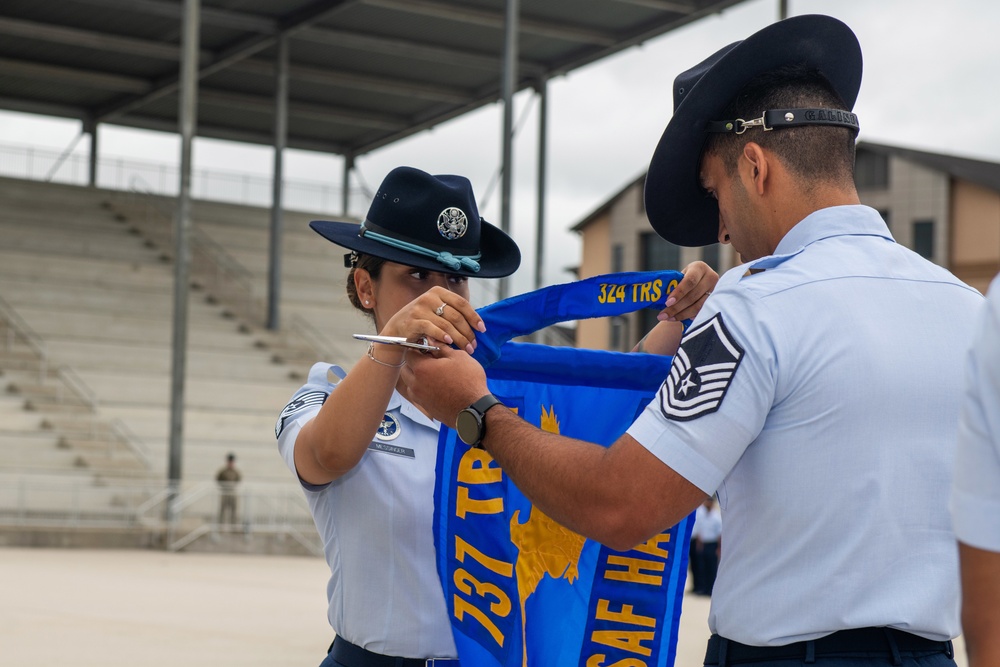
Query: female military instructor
(365,454)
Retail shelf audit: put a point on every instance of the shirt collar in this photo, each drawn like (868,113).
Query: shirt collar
(410,411)
(853,220)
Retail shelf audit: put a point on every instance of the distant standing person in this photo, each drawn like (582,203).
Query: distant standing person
(228,477)
(975,502)
(706,539)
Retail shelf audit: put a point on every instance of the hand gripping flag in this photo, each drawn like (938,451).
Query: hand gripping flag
(523,591)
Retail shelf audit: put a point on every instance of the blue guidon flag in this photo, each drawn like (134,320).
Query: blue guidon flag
(701,372)
(521,589)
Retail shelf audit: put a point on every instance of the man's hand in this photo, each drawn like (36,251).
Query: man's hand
(445,383)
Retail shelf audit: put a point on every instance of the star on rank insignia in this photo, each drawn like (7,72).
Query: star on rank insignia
(388,428)
(297,405)
(701,371)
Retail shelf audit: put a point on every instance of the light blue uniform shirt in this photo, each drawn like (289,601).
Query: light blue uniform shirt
(975,503)
(376,523)
(820,397)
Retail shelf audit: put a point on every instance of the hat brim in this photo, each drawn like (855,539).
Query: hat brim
(500,255)
(676,204)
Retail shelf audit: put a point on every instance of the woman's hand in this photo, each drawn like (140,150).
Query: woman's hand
(683,303)
(686,300)
(439,314)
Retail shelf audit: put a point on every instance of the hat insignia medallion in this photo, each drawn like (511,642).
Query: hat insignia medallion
(452,223)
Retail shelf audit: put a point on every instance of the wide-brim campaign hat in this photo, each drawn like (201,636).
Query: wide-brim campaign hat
(677,206)
(427,222)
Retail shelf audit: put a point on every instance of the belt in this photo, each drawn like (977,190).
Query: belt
(868,642)
(352,655)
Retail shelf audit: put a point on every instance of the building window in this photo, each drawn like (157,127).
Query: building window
(710,255)
(871,170)
(657,255)
(620,334)
(885,218)
(923,238)
(617,258)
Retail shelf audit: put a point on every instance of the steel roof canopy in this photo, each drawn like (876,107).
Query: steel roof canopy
(363,73)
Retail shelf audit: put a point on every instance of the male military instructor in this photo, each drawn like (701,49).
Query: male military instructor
(817,391)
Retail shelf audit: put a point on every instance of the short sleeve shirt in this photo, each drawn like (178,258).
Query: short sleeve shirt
(975,502)
(376,523)
(818,393)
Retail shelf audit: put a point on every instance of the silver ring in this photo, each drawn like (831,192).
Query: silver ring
(440,310)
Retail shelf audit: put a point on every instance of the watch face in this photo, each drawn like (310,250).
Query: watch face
(468,426)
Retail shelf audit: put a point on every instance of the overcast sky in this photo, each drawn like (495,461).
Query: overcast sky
(931,82)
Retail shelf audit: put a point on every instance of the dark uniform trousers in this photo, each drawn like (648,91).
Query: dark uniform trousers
(345,654)
(862,647)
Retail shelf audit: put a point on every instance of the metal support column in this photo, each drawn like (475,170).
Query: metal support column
(280,141)
(90,127)
(345,195)
(187,116)
(782,10)
(543,103)
(509,82)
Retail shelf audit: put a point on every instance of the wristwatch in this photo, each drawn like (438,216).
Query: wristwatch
(470,422)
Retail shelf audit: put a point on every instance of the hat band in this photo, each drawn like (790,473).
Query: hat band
(776,119)
(453,262)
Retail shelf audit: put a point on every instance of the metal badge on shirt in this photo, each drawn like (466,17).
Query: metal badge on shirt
(702,370)
(389,429)
(297,405)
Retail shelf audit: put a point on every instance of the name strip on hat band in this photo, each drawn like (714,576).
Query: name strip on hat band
(775,119)
(453,262)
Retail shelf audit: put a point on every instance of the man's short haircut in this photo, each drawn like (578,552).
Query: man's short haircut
(813,153)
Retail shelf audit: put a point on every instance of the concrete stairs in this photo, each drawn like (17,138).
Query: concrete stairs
(85,337)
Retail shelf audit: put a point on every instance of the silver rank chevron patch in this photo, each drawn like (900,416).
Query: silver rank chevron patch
(297,405)
(701,372)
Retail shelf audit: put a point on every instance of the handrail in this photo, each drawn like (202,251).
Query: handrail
(153,501)
(76,384)
(244,188)
(310,545)
(117,427)
(187,498)
(232,269)
(227,269)
(177,545)
(27,499)
(17,325)
(310,334)
(132,441)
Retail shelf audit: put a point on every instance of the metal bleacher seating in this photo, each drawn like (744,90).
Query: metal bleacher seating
(86,294)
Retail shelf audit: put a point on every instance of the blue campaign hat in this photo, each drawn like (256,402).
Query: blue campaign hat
(676,204)
(428,222)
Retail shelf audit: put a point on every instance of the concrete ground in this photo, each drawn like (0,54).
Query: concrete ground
(123,608)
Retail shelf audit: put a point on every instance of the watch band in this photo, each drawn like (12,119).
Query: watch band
(485,403)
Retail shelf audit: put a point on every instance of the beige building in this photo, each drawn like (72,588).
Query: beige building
(946,208)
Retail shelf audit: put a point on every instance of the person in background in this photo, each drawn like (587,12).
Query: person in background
(706,540)
(228,477)
(975,502)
